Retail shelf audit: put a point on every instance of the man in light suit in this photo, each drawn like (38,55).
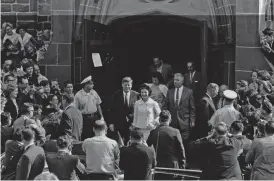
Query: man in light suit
(164,69)
(122,109)
(205,110)
(192,81)
(32,161)
(180,103)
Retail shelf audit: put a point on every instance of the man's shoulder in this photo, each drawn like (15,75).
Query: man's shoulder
(133,92)
(165,65)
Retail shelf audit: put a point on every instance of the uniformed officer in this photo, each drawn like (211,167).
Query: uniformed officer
(227,114)
(88,102)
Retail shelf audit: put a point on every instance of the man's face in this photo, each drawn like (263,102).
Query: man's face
(127,86)
(178,81)
(47,89)
(190,67)
(214,92)
(7,64)
(221,91)
(8,30)
(31,110)
(22,32)
(69,88)
(54,84)
(36,70)
(90,86)
(64,103)
(29,70)
(157,62)
(10,80)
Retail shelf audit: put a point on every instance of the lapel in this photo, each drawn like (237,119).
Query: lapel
(211,103)
(183,96)
(130,98)
(122,98)
(172,93)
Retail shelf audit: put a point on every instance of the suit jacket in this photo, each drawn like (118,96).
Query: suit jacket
(11,108)
(119,111)
(183,114)
(205,110)
(167,72)
(195,85)
(64,165)
(220,155)
(137,160)
(170,148)
(31,163)
(71,123)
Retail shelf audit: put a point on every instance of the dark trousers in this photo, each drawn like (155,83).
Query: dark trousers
(88,122)
(98,176)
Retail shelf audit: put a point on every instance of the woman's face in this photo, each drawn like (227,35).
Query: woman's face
(54,100)
(22,32)
(29,70)
(144,94)
(47,89)
(14,93)
(254,76)
(155,81)
(9,30)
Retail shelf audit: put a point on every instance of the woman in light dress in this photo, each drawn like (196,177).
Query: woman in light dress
(146,112)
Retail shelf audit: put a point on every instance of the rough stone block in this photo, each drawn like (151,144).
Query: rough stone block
(64,54)
(63,4)
(242,75)
(46,25)
(250,58)
(62,73)
(33,5)
(7,1)
(62,28)
(5,7)
(27,16)
(51,56)
(9,17)
(247,6)
(77,70)
(49,18)
(247,30)
(30,25)
(42,69)
(20,7)
(23,1)
(32,32)
(42,18)
(62,13)
(44,9)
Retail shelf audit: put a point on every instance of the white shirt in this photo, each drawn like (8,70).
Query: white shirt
(180,93)
(128,96)
(192,75)
(160,69)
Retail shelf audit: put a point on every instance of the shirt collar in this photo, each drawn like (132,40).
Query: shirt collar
(26,147)
(85,93)
(68,106)
(148,101)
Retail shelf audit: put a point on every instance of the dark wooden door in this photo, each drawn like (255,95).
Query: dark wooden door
(97,38)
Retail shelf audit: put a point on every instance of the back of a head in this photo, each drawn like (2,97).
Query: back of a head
(237,126)
(25,108)
(221,128)
(46,176)
(64,141)
(165,116)
(28,134)
(100,125)
(68,97)
(269,128)
(136,134)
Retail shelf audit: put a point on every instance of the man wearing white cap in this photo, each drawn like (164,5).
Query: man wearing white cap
(227,114)
(88,102)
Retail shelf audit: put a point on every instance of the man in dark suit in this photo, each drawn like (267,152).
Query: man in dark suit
(267,44)
(220,153)
(219,99)
(205,110)
(192,81)
(72,121)
(122,108)
(64,165)
(32,161)
(168,144)
(180,103)
(164,69)
(137,160)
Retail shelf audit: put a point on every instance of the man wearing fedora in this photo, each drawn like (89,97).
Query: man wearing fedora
(88,102)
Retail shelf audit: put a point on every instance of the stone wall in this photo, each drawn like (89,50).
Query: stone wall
(248,53)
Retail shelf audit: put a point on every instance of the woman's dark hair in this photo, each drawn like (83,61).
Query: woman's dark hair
(144,86)
(24,27)
(159,76)
(4,118)
(17,135)
(264,75)
(267,106)
(27,65)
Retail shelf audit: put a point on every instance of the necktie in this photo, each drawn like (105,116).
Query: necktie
(126,100)
(177,97)
(191,77)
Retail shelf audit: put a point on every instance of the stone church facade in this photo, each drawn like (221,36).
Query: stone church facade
(234,27)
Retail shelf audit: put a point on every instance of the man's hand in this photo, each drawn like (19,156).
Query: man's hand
(111,127)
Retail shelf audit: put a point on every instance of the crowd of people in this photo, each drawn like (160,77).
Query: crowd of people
(169,122)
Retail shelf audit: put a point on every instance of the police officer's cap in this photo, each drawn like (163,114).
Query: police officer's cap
(230,94)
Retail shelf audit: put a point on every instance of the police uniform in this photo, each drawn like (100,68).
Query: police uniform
(87,103)
(227,114)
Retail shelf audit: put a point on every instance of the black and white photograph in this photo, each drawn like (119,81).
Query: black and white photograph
(137,90)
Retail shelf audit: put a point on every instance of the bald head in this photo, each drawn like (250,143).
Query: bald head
(100,125)
(222,89)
